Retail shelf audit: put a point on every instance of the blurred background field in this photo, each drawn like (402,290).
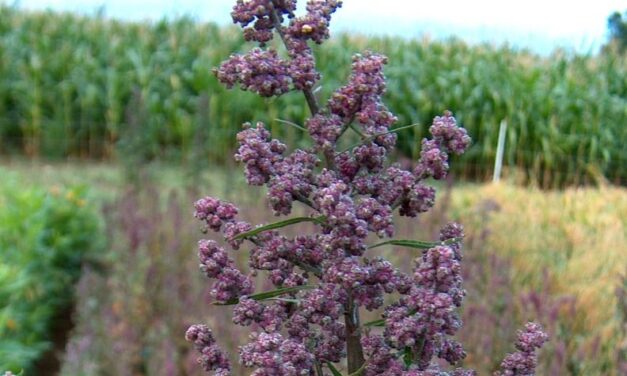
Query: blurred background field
(556,257)
(109,131)
(74,86)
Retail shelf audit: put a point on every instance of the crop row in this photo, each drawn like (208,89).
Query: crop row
(88,86)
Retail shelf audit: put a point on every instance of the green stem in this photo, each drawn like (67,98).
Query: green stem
(318,367)
(291,124)
(370,138)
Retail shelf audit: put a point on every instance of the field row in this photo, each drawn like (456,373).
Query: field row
(98,88)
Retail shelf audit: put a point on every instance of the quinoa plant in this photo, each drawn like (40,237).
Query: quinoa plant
(326,279)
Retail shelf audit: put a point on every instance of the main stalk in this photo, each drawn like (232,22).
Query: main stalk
(354,350)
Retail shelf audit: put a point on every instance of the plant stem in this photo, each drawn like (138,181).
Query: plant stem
(318,367)
(312,102)
(354,351)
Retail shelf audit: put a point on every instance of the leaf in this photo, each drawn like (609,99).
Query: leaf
(291,124)
(370,138)
(419,244)
(407,357)
(380,322)
(408,243)
(359,371)
(333,370)
(410,357)
(268,294)
(295,301)
(280,224)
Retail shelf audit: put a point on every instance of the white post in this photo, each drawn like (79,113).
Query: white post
(498,162)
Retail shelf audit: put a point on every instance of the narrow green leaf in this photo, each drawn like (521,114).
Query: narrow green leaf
(412,355)
(295,301)
(419,244)
(269,294)
(408,243)
(333,370)
(380,322)
(291,124)
(274,226)
(407,357)
(359,371)
(370,138)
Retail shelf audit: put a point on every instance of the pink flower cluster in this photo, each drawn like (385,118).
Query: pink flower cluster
(325,278)
(211,357)
(524,361)
(263,71)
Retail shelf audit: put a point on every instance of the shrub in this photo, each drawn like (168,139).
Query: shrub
(44,238)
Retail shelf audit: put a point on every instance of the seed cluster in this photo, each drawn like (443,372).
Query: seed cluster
(329,274)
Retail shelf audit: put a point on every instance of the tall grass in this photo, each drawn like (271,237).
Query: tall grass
(70,86)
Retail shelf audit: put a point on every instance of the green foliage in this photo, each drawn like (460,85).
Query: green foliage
(92,87)
(44,238)
(617,27)
(280,224)
(269,294)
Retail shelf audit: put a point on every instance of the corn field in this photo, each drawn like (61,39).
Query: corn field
(90,87)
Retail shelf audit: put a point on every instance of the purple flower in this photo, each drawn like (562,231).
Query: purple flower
(259,71)
(302,70)
(259,153)
(232,229)
(211,357)
(453,231)
(247,311)
(259,13)
(370,156)
(315,24)
(360,99)
(382,359)
(324,130)
(419,199)
(353,199)
(433,161)
(448,135)
(524,361)
(377,216)
(230,282)
(213,259)
(271,354)
(293,180)
(214,212)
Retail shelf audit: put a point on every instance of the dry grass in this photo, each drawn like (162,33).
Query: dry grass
(571,243)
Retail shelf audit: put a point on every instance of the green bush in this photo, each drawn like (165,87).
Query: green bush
(44,238)
(77,86)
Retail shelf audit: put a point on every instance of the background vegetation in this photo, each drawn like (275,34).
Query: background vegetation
(530,255)
(45,236)
(81,86)
(149,130)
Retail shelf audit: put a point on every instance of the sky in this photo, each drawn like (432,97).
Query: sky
(539,25)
